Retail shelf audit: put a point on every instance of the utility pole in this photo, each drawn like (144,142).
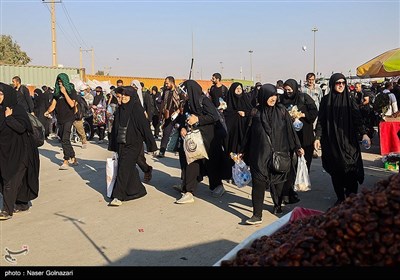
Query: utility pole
(251,65)
(314,30)
(53,30)
(80,58)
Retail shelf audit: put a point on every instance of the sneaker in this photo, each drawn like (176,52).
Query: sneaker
(4,215)
(254,220)
(218,191)
(178,187)
(186,198)
(148,175)
(115,202)
(100,142)
(64,166)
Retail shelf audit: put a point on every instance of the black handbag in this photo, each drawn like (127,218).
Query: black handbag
(280,161)
(121,133)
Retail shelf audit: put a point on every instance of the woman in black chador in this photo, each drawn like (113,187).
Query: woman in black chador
(198,112)
(236,116)
(19,157)
(339,121)
(293,97)
(129,114)
(274,122)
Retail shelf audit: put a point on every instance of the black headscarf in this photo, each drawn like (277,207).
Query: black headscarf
(126,108)
(10,100)
(236,124)
(194,92)
(340,128)
(291,99)
(236,102)
(268,113)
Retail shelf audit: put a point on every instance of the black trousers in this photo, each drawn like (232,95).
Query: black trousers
(90,122)
(190,172)
(101,131)
(11,188)
(213,165)
(141,162)
(65,134)
(156,124)
(308,155)
(345,184)
(288,186)
(258,192)
(167,130)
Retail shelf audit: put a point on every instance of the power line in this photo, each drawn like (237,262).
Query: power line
(81,42)
(62,30)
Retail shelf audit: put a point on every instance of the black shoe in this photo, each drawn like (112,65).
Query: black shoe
(148,175)
(278,210)
(21,208)
(254,220)
(285,199)
(293,199)
(161,155)
(4,215)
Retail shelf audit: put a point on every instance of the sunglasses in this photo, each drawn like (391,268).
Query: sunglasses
(340,83)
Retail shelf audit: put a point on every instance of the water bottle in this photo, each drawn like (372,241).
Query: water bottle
(365,144)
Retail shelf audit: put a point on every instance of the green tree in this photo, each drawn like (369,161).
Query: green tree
(11,53)
(99,72)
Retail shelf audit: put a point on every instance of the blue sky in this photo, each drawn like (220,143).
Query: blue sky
(154,38)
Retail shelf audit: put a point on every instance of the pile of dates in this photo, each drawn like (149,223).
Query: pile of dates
(364,230)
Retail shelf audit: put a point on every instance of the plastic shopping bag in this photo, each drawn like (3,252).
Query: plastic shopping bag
(302,182)
(111,173)
(241,174)
(194,146)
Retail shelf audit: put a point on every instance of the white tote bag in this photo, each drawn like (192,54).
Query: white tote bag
(194,146)
(111,173)
(302,182)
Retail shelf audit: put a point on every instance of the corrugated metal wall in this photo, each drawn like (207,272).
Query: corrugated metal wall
(37,76)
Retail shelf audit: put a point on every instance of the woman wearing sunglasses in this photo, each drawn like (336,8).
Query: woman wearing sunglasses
(339,120)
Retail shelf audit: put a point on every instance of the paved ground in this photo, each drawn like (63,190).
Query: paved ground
(70,223)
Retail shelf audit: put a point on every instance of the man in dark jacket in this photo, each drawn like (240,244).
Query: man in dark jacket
(23,96)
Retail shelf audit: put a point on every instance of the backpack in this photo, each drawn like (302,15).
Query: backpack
(82,109)
(381,103)
(38,133)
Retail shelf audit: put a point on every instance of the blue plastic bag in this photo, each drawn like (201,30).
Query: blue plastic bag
(241,174)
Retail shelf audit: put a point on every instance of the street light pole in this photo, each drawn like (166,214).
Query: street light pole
(314,30)
(251,65)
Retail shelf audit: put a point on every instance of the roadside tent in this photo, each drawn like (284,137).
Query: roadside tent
(386,64)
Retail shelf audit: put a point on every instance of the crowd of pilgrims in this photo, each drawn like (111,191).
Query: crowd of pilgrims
(257,121)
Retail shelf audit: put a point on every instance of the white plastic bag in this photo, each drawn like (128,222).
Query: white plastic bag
(111,173)
(241,174)
(302,182)
(194,146)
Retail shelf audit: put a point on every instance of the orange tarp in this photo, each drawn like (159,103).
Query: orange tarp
(149,82)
